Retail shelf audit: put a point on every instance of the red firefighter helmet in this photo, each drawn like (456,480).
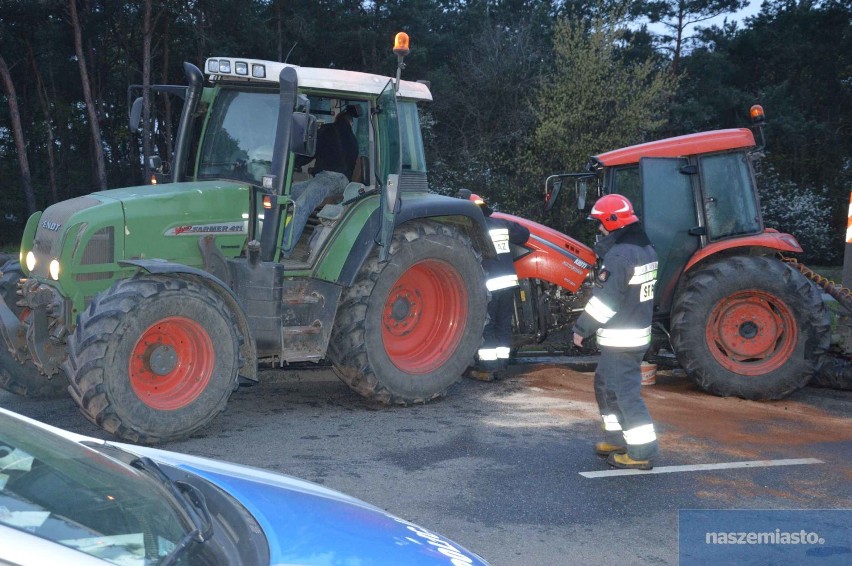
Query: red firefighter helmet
(614,212)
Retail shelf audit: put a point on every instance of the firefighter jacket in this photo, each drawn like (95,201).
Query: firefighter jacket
(501,269)
(622,302)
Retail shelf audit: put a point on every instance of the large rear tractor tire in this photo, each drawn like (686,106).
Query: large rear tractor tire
(154,358)
(751,327)
(408,328)
(23,378)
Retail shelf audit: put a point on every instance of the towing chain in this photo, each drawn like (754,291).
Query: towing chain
(840,293)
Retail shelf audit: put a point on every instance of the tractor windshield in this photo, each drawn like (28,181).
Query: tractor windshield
(239,136)
(730,199)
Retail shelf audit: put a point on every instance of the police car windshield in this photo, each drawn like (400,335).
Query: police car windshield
(78,497)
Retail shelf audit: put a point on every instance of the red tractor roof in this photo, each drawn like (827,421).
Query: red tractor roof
(691,144)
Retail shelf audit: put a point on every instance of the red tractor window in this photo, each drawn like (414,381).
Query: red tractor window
(730,199)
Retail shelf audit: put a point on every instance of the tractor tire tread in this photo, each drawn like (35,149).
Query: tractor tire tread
(88,348)
(348,347)
(691,309)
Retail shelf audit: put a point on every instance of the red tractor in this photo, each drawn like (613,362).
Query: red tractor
(740,319)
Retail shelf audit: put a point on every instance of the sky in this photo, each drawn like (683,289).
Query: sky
(751,9)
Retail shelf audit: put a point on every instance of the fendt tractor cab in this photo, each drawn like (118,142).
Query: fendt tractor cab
(740,319)
(151,304)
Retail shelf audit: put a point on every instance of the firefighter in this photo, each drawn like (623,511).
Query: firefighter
(619,313)
(493,356)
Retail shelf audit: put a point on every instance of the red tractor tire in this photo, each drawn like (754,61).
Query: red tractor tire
(407,328)
(750,327)
(154,358)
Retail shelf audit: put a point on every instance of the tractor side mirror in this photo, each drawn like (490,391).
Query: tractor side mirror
(303,104)
(392,192)
(553,186)
(136,114)
(582,189)
(303,134)
(159,170)
(552,193)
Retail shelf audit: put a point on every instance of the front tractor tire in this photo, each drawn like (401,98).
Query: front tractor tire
(154,358)
(408,328)
(23,378)
(750,327)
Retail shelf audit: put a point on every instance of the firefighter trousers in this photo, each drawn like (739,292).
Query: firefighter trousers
(618,391)
(497,337)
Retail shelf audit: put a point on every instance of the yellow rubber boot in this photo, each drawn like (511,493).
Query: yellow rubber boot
(479,374)
(624,461)
(605,449)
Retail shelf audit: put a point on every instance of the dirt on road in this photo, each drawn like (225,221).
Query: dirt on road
(688,419)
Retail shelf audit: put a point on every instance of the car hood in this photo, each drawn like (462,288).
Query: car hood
(306,523)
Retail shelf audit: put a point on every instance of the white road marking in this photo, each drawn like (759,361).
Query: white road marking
(702,467)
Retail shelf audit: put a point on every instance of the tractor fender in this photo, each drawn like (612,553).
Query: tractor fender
(463,213)
(10,336)
(248,348)
(771,241)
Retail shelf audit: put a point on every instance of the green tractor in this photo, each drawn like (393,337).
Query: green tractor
(152,304)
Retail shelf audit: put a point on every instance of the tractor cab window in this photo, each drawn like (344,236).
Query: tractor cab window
(239,136)
(326,110)
(413,156)
(626,182)
(730,199)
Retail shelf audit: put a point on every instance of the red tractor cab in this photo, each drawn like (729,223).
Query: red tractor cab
(739,319)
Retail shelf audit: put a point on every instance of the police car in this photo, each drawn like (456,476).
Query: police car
(73,500)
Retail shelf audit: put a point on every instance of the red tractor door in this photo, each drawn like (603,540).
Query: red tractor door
(670,220)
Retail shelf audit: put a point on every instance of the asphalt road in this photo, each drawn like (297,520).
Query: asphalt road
(496,466)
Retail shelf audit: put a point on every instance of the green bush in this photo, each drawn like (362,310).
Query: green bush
(804,212)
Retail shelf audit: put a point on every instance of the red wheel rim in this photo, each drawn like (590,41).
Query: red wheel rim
(171,363)
(424,317)
(752,332)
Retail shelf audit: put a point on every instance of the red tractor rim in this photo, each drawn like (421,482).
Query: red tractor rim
(424,317)
(752,332)
(171,363)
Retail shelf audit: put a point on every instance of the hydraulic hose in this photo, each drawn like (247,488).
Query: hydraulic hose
(838,292)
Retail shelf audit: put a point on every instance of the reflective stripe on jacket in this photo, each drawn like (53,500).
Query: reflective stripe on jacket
(622,303)
(501,269)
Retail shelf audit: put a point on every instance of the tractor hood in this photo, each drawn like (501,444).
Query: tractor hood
(153,215)
(552,256)
(149,221)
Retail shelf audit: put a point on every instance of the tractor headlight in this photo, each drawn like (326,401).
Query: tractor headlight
(31,261)
(54,269)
